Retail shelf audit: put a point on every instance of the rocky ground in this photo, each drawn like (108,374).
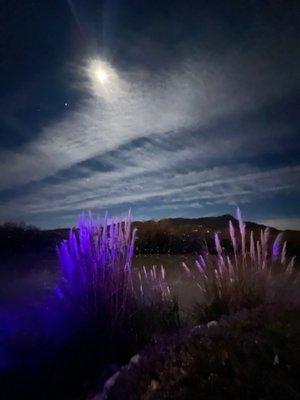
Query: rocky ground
(250,355)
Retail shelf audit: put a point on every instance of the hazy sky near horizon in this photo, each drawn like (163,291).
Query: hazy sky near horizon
(170,108)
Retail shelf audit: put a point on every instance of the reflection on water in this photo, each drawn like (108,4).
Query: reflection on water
(25,296)
(24,286)
(24,280)
(186,293)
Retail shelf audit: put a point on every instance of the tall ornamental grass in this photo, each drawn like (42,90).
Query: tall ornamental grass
(257,272)
(97,276)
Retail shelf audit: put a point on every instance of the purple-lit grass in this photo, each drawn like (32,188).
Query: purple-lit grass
(97,272)
(252,275)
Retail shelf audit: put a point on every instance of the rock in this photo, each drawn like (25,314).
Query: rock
(107,386)
(276,360)
(135,359)
(154,384)
(98,397)
(212,324)
(110,382)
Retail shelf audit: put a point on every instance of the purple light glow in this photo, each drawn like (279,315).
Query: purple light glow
(97,274)
(96,264)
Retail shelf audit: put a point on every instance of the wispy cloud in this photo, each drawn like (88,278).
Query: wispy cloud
(191,93)
(186,156)
(142,182)
(283,223)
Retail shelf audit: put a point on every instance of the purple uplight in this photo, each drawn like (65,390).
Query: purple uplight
(96,263)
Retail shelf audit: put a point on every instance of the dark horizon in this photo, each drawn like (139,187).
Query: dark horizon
(135,221)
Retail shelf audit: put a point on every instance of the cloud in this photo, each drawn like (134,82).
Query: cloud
(152,177)
(164,136)
(193,93)
(282,223)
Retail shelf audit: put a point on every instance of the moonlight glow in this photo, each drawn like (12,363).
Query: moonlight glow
(101,72)
(103,78)
(102,75)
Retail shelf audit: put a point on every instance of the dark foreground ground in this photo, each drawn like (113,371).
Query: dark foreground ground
(250,355)
(253,354)
(43,355)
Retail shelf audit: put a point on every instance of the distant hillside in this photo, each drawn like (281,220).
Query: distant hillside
(22,239)
(188,235)
(172,235)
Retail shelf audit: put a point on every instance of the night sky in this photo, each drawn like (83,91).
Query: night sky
(170,108)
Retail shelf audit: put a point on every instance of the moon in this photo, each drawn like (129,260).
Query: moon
(103,78)
(101,72)
(101,75)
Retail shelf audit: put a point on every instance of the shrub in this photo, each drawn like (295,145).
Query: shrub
(249,277)
(111,309)
(97,276)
